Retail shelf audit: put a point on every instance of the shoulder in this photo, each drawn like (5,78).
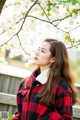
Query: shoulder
(62,85)
(23,83)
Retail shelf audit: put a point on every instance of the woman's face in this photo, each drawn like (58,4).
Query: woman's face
(43,56)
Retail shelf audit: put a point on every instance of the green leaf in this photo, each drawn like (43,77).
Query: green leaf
(76,46)
(67,37)
(26,6)
(19,3)
(54,4)
(79,40)
(23,14)
(75,11)
(6,43)
(12,45)
(42,14)
(49,4)
(49,14)
(57,7)
(67,9)
(10,28)
(74,2)
(70,1)
(32,20)
(77,22)
(10,117)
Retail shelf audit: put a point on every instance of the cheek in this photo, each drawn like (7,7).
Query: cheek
(45,57)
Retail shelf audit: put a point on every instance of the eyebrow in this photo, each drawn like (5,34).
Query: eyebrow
(43,48)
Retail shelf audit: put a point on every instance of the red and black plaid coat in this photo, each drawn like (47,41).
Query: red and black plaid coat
(29,107)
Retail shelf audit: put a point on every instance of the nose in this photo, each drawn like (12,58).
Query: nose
(37,53)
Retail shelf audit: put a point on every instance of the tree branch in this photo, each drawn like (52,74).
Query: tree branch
(38,18)
(21,45)
(43,11)
(8,40)
(2,2)
(74,28)
(3,32)
(27,13)
(70,39)
(22,23)
(46,22)
(43,20)
(61,19)
(73,45)
(65,17)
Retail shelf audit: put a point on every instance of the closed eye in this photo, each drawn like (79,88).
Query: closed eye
(43,51)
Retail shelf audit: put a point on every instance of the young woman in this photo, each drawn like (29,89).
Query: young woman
(49,92)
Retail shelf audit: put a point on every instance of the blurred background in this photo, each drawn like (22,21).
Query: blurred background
(24,24)
(27,64)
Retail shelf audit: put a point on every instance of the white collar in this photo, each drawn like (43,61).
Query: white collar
(42,78)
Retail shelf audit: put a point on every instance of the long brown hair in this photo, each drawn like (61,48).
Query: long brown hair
(61,67)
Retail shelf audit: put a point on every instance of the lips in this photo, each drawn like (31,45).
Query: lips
(36,58)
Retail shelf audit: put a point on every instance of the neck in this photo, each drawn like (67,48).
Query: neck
(42,69)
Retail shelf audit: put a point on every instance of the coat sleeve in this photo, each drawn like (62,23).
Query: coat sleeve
(18,112)
(63,105)
(16,116)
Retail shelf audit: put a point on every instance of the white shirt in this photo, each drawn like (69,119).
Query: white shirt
(42,78)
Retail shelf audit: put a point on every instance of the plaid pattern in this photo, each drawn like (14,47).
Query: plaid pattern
(29,107)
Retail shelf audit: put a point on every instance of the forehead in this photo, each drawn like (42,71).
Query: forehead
(45,45)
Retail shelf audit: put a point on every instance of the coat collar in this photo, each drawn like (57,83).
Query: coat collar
(36,76)
(31,79)
(42,78)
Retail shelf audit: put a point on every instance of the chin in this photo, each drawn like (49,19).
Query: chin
(37,63)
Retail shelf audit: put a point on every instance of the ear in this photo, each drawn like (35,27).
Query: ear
(52,60)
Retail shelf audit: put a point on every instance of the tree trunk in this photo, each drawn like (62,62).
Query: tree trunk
(2,2)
